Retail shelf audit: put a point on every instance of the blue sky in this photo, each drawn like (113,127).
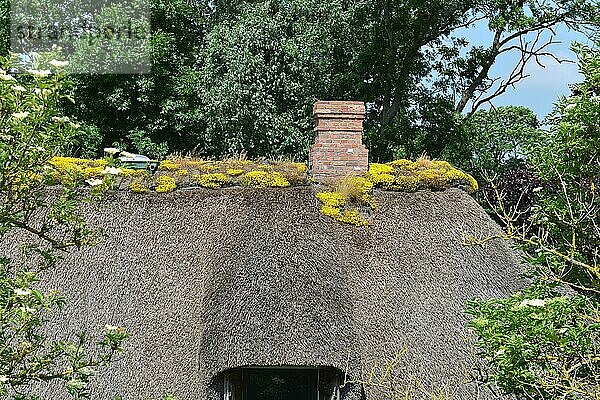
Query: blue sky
(544,85)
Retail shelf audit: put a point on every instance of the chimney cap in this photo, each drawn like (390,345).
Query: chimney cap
(339,109)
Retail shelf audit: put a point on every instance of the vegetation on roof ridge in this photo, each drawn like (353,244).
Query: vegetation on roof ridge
(349,200)
(109,173)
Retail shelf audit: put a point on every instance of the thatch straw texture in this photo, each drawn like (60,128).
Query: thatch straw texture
(211,280)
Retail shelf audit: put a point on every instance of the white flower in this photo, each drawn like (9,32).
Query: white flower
(60,119)
(533,303)
(94,182)
(22,292)
(18,88)
(58,64)
(111,328)
(75,384)
(112,171)
(570,107)
(3,379)
(7,77)
(41,91)
(537,189)
(21,115)
(86,371)
(111,150)
(40,73)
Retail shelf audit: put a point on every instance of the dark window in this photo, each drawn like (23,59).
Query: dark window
(280,384)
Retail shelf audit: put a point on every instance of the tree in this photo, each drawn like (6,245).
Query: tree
(493,145)
(240,75)
(405,59)
(153,113)
(32,131)
(544,342)
(495,140)
(412,63)
(264,67)
(119,103)
(4,28)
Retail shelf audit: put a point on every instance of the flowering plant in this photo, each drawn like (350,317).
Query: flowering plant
(32,131)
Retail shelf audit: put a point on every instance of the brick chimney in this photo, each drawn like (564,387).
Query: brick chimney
(338,150)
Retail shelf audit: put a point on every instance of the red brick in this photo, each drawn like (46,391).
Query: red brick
(338,128)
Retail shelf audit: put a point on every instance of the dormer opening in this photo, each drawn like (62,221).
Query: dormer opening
(282,383)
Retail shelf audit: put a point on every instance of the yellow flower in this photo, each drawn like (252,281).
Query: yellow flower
(211,181)
(376,169)
(234,172)
(353,217)
(263,179)
(301,167)
(330,211)
(138,187)
(331,199)
(405,183)
(92,172)
(181,173)
(168,165)
(130,172)
(165,184)
(382,180)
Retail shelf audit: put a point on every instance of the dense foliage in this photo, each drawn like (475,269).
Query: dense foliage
(263,68)
(32,130)
(495,140)
(540,344)
(242,76)
(567,159)
(544,342)
(494,146)
(155,113)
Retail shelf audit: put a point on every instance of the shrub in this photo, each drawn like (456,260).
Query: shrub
(263,179)
(405,175)
(165,184)
(212,181)
(138,187)
(32,131)
(331,199)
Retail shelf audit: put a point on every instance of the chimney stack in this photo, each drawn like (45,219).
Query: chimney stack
(338,150)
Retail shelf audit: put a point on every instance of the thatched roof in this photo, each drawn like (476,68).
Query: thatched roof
(208,280)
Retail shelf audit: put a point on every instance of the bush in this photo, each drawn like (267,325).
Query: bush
(33,130)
